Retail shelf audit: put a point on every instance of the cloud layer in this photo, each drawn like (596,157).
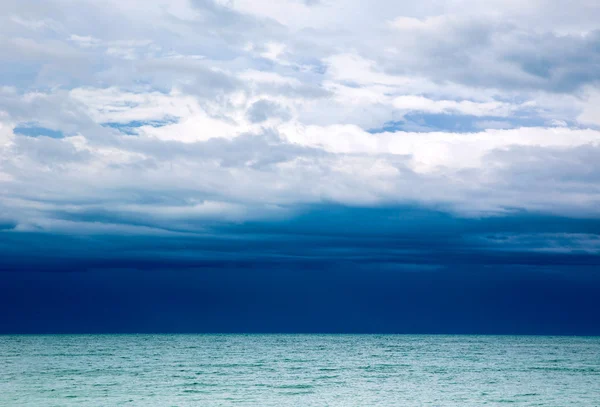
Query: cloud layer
(177,114)
(300,165)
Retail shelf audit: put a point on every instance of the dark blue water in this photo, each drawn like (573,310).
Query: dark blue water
(298,370)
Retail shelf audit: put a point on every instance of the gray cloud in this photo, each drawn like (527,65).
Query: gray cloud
(264,110)
(261,114)
(491,53)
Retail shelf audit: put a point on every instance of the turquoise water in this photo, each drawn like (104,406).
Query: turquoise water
(298,370)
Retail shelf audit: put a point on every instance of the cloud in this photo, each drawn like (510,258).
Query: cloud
(166,118)
(323,165)
(262,110)
(591,108)
(171,185)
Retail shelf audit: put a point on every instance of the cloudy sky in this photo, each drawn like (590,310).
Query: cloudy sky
(413,138)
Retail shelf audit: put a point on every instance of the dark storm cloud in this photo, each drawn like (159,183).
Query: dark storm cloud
(331,269)
(322,236)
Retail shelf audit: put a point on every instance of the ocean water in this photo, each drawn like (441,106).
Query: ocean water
(298,370)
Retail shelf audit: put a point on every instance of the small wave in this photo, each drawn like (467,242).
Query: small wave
(295,386)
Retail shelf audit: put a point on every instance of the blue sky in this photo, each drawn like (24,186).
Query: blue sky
(456,142)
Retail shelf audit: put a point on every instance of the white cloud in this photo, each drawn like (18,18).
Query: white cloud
(117,106)
(466,107)
(234,110)
(590,113)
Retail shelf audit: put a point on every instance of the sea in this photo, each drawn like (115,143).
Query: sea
(298,370)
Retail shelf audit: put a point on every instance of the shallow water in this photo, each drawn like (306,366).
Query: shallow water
(298,370)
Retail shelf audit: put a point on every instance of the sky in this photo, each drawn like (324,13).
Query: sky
(300,166)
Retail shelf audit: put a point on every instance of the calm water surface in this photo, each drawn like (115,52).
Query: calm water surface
(298,370)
